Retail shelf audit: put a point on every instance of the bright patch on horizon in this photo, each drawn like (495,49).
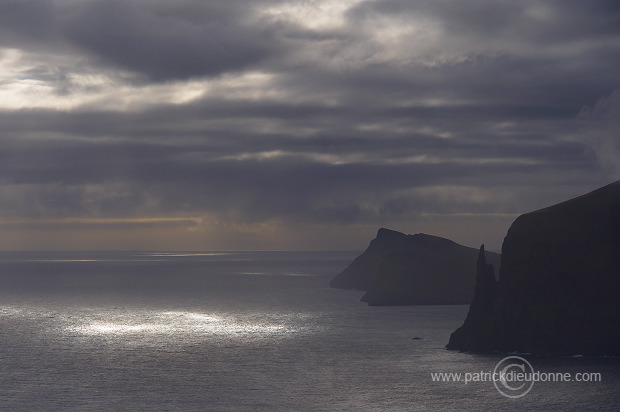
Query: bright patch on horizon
(190,221)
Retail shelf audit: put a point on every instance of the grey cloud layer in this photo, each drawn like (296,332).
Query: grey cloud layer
(336,174)
(155,39)
(406,108)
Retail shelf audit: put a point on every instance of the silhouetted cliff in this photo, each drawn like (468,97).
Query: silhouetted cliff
(363,271)
(559,288)
(420,269)
(478,330)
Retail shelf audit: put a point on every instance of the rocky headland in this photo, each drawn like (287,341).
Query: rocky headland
(399,269)
(559,287)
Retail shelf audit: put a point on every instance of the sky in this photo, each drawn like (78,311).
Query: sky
(298,125)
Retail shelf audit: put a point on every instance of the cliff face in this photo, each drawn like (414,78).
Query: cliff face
(363,271)
(420,269)
(559,289)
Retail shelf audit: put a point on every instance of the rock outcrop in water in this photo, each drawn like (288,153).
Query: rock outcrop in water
(559,288)
(476,332)
(399,269)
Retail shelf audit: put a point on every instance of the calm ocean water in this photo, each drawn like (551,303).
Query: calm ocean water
(240,331)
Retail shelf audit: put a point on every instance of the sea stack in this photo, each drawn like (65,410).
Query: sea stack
(559,287)
(477,333)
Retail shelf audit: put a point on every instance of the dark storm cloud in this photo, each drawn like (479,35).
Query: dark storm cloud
(401,109)
(26,22)
(537,53)
(155,41)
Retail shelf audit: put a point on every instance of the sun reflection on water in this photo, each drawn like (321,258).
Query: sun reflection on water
(182,323)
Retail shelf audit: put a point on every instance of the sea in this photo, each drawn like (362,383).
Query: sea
(247,331)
